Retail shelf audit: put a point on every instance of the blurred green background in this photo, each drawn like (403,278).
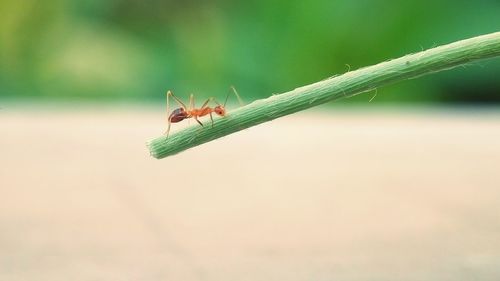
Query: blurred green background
(135,50)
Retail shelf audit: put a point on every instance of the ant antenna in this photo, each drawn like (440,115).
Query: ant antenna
(240,101)
(227,96)
(236,94)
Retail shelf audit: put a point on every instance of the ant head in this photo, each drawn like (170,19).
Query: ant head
(220,110)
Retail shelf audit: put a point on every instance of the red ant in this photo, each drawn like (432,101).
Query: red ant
(183,112)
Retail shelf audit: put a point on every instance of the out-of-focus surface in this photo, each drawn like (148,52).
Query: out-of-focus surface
(351,195)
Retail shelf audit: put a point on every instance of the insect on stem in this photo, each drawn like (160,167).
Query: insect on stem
(182,112)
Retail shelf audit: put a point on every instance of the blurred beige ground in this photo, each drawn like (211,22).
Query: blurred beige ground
(346,195)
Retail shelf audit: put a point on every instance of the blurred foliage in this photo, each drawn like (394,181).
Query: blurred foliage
(129,49)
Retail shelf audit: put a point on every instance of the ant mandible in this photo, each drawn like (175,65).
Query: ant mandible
(183,112)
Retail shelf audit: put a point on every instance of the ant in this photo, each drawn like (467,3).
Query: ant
(183,112)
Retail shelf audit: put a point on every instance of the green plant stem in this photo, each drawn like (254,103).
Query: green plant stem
(347,85)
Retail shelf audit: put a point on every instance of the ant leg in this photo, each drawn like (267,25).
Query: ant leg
(171,94)
(181,104)
(196,118)
(206,103)
(168,128)
(168,114)
(191,105)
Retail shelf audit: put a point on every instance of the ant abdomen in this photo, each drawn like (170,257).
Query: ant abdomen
(178,115)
